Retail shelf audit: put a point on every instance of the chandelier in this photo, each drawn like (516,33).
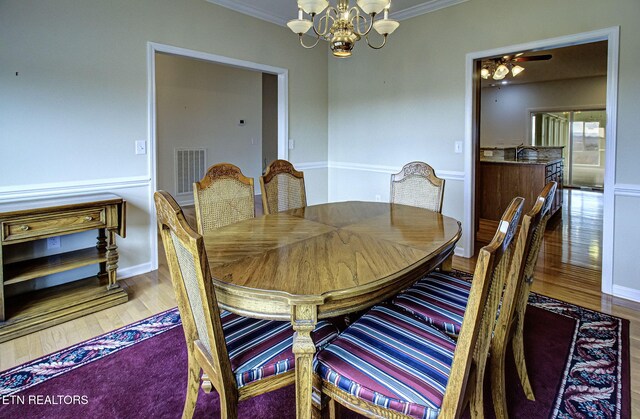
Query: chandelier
(342,26)
(499,68)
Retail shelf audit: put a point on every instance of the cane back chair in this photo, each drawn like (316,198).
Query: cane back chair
(441,299)
(390,363)
(282,188)
(241,357)
(417,185)
(223,196)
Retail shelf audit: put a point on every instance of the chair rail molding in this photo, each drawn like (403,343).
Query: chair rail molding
(445,174)
(612,36)
(627,189)
(68,188)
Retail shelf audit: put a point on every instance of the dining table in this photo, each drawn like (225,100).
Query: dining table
(324,261)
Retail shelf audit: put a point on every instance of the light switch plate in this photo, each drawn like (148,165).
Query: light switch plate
(458,147)
(53,242)
(141,147)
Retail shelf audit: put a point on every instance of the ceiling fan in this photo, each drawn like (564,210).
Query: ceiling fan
(498,68)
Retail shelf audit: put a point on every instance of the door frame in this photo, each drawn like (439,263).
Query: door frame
(283,115)
(612,36)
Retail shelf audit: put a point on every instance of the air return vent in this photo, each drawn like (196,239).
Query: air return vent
(190,167)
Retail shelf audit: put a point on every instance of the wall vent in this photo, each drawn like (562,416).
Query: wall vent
(190,164)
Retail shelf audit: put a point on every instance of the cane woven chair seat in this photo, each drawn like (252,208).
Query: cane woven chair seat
(222,197)
(417,185)
(390,363)
(282,188)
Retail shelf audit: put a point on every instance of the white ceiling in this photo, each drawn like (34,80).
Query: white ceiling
(281,11)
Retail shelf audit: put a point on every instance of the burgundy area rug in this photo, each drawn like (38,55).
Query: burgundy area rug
(578,364)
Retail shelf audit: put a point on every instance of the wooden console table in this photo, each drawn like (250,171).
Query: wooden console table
(32,220)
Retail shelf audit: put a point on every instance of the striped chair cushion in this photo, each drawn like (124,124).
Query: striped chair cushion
(439,298)
(392,359)
(262,348)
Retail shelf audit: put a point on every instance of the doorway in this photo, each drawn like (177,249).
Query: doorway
(472,137)
(282,115)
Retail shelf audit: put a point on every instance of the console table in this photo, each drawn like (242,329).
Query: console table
(32,220)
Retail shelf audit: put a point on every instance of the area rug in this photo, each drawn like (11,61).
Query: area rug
(579,367)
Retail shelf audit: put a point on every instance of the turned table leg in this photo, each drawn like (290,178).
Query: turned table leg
(101,245)
(112,259)
(303,320)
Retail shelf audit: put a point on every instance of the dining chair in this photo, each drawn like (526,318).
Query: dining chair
(241,357)
(417,185)
(282,188)
(510,325)
(441,299)
(223,196)
(390,363)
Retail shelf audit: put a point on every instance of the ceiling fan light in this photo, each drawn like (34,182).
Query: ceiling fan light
(299,26)
(385,26)
(484,73)
(500,72)
(516,70)
(313,6)
(373,6)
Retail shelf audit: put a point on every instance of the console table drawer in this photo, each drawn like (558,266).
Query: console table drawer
(53,224)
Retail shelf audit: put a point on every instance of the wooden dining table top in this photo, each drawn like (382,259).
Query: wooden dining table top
(337,257)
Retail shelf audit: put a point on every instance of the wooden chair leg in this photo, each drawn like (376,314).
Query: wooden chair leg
(476,407)
(498,393)
(228,405)
(193,386)
(521,364)
(333,409)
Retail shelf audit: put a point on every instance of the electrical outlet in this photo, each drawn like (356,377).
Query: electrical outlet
(458,147)
(141,147)
(378,198)
(292,144)
(53,243)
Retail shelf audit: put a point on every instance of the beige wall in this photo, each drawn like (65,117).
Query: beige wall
(80,100)
(505,109)
(200,105)
(407,101)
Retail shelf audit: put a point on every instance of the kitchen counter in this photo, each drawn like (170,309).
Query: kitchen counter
(520,161)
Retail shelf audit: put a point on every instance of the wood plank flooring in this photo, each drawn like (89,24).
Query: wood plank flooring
(568,269)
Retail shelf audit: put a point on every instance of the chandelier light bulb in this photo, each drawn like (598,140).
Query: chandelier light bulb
(313,6)
(500,72)
(484,73)
(516,70)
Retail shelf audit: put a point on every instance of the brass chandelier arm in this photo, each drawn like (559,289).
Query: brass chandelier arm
(356,25)
(319,31)
(384,41)
(308,46)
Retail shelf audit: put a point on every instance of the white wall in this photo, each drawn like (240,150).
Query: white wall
(200,105)
(79,102)
(505,109)
(407,101)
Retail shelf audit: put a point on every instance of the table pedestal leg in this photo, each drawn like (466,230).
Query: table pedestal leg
(447,264)
(303,320)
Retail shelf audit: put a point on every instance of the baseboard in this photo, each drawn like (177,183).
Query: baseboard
(626,293)
(459,251)
(143,268)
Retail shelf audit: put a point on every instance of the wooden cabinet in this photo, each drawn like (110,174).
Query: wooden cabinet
(500,182)
(32,220)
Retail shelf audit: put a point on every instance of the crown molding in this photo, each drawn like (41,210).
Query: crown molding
(413,11)
(251,11)
(423,8)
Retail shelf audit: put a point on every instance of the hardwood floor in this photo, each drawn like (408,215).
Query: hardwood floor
(568,269)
